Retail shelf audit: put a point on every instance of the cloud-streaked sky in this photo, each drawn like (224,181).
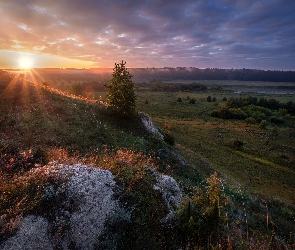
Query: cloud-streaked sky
(149,33)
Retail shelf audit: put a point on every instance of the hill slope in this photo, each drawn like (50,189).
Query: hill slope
(40,125)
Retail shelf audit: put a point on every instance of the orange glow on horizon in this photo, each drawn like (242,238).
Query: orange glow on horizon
(27,60)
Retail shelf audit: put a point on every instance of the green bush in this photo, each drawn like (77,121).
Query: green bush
(168,137)
(229,113)
(192,101)
(238,114)
(277,120)
(250,120)
(238,144)
(262,124)
(283,112)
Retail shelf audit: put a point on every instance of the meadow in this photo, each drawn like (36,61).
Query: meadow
(265,164)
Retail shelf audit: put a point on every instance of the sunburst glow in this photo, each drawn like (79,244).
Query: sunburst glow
(25,62)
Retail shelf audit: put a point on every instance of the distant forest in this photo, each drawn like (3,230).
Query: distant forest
(185,73)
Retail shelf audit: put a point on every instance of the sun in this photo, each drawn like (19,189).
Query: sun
(25,62)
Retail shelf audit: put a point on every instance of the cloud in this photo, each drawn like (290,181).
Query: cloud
(151,32)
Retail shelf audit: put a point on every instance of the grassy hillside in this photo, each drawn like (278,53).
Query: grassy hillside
(253,195)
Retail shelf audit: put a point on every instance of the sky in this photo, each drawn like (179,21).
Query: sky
(253,34)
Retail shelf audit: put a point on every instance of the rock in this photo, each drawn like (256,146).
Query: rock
(87,202)
(92,191)
(33,234)
(150,127)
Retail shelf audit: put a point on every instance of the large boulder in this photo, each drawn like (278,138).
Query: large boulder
(88,202)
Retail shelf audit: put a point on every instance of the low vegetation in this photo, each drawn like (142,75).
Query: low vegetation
(258,111)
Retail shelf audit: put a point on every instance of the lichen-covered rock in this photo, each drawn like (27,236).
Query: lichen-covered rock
(32,234)
(171,194)
(170,190)
(92,191)
(150,127)
(95,187)
(86,203)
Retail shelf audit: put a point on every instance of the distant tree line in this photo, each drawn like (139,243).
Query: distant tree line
(213,74)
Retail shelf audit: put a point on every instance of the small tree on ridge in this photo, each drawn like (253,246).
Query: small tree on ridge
(121,97)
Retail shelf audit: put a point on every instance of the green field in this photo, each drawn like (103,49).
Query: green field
(265,165)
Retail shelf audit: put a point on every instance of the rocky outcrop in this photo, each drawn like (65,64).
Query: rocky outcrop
(87,201)
(150,127)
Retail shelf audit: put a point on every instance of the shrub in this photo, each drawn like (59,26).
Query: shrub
(12,161)
(250,120)
(277,120)
(233,103)
(259,116)
(224,113)
(192,101)
(229,113)
(209,99)
(224,99)
(283,112)
(76,89)
(179,99)
(213,99)
(238,144)
(168,137)
(262,124)
(274,131)
(199,218)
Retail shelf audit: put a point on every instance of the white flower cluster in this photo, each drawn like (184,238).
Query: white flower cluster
(150,126)
(94,190)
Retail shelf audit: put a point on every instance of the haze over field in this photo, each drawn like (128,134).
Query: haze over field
(89,33)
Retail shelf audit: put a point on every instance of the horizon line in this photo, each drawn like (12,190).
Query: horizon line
(178,67)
